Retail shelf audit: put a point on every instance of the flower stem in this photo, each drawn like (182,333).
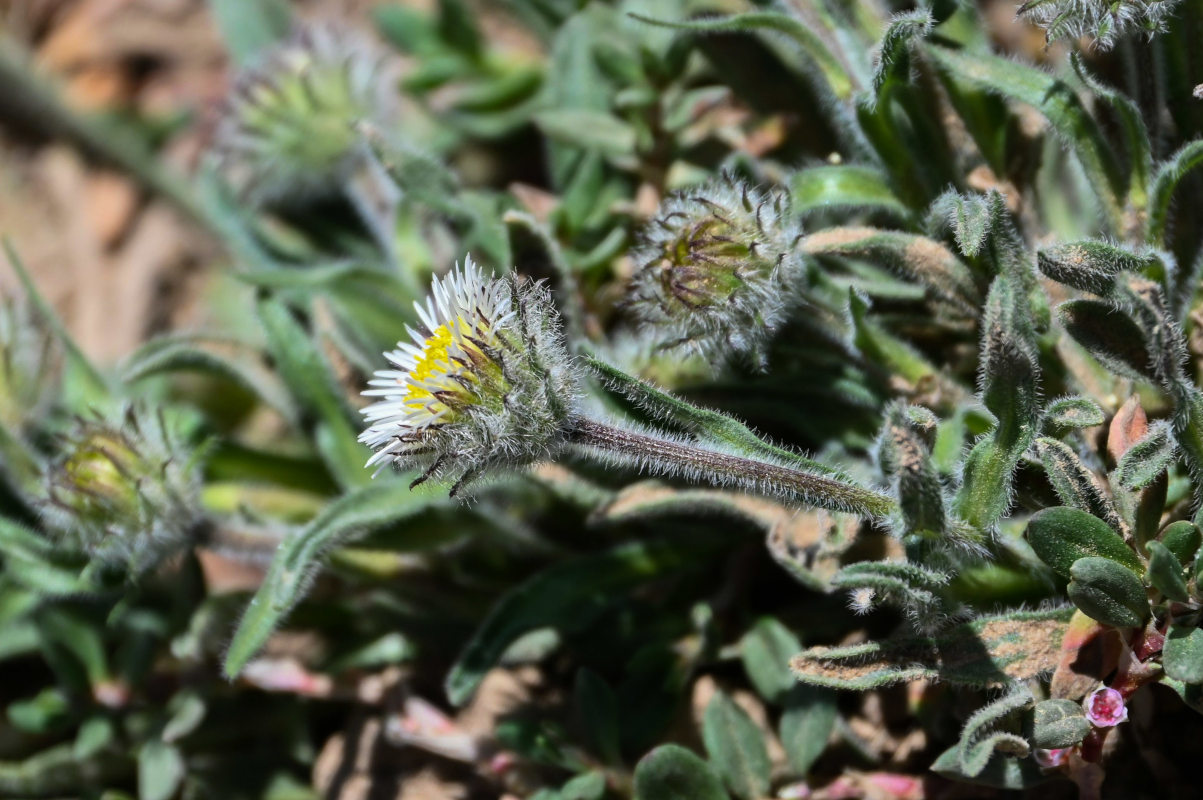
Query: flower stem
(665,456)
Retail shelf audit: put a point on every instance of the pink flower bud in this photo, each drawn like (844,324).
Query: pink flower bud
(1051,758)
(1105,708)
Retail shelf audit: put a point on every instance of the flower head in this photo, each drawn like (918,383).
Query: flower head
(1105,20)
(127,494)
(291,124)
(1105,707)
(712,268)
(485,380)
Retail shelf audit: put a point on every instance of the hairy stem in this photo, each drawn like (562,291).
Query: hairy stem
(668,457)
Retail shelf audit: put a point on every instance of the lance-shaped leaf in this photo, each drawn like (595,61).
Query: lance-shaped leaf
(670,772)
(1091,265)
(1074,484)
(1060,536)
(991,650)
(916,258)
(736,748)
(1169,174)
(906,457)
(1074,412)
(1108,592)
(844,188)
(1132,125)
(882,347)
(1147,458)
(1058,102)
(701,422)
(1108,334)
(190,353)
(1058,723)
(309,376)
(564,597)
(1166,573)
(979,741)
(300,555)
(1182,655)
(1009,378)
(910,586)
(893,60)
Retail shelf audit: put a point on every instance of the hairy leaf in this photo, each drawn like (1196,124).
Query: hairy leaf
(1060,536)
(736,748)
(990,650)
(670,772)
(1059,723)
(1108,592)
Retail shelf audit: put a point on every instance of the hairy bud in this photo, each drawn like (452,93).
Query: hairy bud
(291,124)
(1105,20)
(486,381)
(127,494)
(712,270)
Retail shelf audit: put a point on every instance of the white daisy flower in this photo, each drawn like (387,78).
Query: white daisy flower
(485,380)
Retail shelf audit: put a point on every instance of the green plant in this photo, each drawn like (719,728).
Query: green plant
(967,286)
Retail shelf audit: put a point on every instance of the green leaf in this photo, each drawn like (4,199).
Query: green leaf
(1059,104)
(893,56)
(1108,334)
(1091,265)
(736,748)
(766,650)
(806,724)
(170,354)
(1182,655)
(1169,174)
(1060,536)
(160,770)
(588,130)
(311,380)
(187,709)
(844,188)
(300,554)
(1059,723)
(590,786)
(1108,592)
(95,735)
(700,422)
(915,258)
(670,772)
(1000,772)
(990,650)
(1074,412)
(597,710)
(1132,124)
(1166,573)
(1009,376)
(811,43)
(566,597)
(979,743)
(1074,484)
(47,712)
(250,26)
(1183,539)
(1145,460)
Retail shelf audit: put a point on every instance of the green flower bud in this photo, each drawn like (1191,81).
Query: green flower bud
(712,270)
(291,124)
(127,495)
(485,382)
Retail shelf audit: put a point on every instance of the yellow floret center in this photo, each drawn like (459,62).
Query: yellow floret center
(434,367)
